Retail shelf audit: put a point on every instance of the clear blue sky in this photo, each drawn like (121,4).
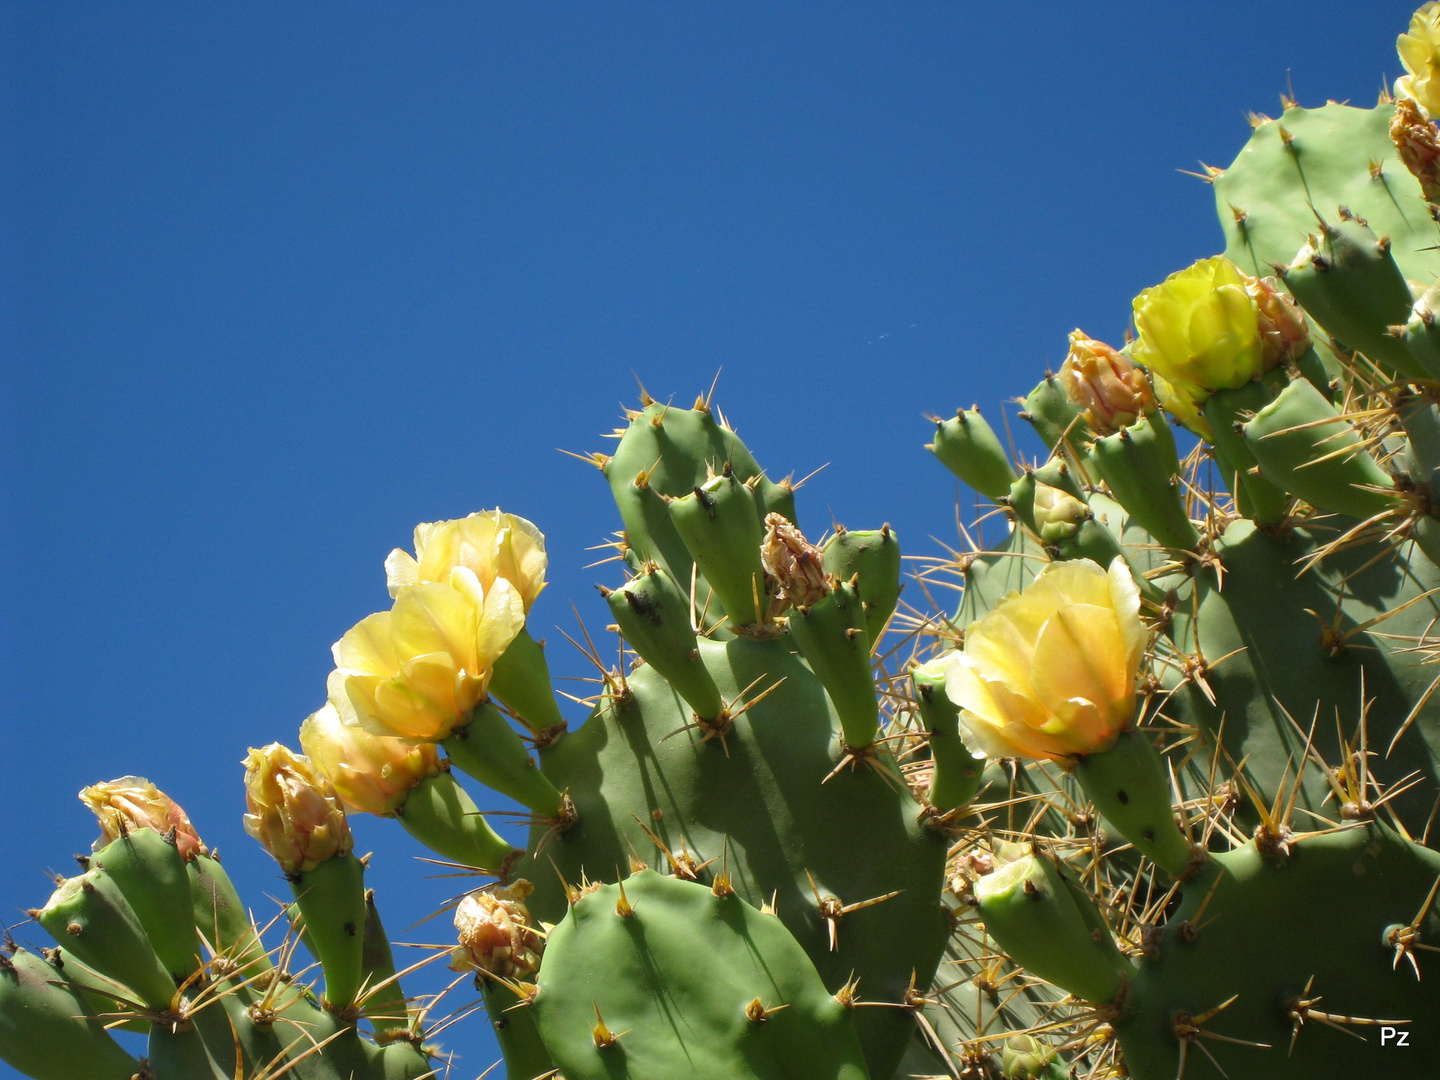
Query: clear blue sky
(280,281)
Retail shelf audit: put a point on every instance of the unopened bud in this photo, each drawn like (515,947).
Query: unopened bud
(1058,515)
(293,810)
(1105,383)
(792,564)
(493,928)
(131,803)
(1283,333)
(1418,145)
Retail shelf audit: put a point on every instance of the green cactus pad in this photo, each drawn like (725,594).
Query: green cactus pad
(673,980)
(966,445)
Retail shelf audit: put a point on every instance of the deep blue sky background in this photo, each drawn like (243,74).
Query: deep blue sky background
(281,281)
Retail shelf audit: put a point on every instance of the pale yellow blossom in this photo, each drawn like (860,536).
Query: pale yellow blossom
(416,671)
(293,810)
(1420,53)
(1050,673)
(372,774)
(490,543)
(132,803)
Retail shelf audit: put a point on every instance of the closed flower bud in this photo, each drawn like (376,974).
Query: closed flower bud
(416,671)
(490,544)
(372,774)
(1050,673)
(1418,145)
(1199,330)
(1058,514)
(495,935)
(1105,383)
(293,810)
(132,803)
(792,563)
(1284,336)
(1420,53)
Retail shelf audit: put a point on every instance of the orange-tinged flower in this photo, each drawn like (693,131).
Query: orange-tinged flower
(1050,673)
(416,671)
(1105,383)
(489,543)
(132,803)
(293,810)
(1420,53)
(493,928)
(1284,334)
(372,774)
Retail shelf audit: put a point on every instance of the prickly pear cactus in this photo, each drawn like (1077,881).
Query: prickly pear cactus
(1155,800)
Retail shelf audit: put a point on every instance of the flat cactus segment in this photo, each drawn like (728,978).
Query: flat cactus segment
(1323,158)
(668,979)
(1248,931)
(756,800)
(1266,655)
(966,444)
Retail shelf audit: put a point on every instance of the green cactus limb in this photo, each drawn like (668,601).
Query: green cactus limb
(968,447)
(514,1022)
(91,916)
(1421,421)
(488,750)
(104,994)
(956,773)
(1129,786)
(48,1030)
(1348,281)
(440,814)
(183,1051)
(1269,664)
(1420,334)
(150,871)
(331,897)
(1323,158)
(761,805)
(384,1000)
(1140,467)
(831,636)
(720,523)
(872,555)
(1268,932)
(1054,417)
(521,679)
(654,616)
(662,977)
(1305,446)
(1264,502)
(222,919)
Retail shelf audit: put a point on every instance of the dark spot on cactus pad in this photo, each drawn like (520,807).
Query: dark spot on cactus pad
(1123,797)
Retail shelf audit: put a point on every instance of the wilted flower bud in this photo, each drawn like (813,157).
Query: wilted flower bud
(1418,145)
(372,774)
(1050,672)
(493,927)
(1105,383)
(1199,330)
(1420,53)
(132,803)
(489,543)
(293,810)
(1058,514)
(792,563)
(417,671)
(1283,333)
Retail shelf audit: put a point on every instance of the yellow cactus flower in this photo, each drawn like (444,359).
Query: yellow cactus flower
(293,810)
(490,543)
(1181,406)
(416,671)
(1105,383)
(132,803)
(1050,673)
(372,774)
(1199,329)
(493,928)
(1420,53)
